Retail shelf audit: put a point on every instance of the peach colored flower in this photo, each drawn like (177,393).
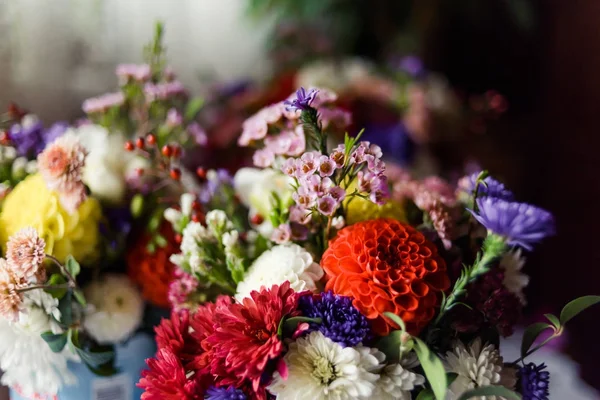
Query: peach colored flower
(25,254)
(10,299)
(62,162)
(72,199)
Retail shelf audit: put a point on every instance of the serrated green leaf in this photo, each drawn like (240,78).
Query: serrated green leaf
(433,368)
(531,334)
(426,394)
(79,297)
(554,320)
(390,346)
(397,320)
(72,266)
(573,308)
(56,342)
(499,391)
(193,108)
(56,279)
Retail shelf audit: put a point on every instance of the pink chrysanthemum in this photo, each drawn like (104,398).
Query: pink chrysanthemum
(245,343)
(61,163)
(10,299)
(174,334)
(25,255)
(166,379)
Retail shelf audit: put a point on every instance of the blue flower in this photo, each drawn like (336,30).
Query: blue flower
(521,224)
(302,100)
(491,188)
(535,382)
(224,393)
(340,320)
(30,138)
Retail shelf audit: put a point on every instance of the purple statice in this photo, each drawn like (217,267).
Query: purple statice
(520,223)
(224,393)
(490,187)
(302,101)
(535,382)
(340,320)
(30,138)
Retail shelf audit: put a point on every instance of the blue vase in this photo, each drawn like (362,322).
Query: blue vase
(130,361)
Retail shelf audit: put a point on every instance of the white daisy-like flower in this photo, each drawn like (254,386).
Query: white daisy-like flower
(320,369)
(396,383)
(281,263)
(514,280)
(115,309)
(26,359)
(477,366)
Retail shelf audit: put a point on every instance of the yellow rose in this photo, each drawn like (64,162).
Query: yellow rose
(359,209)
(32,204)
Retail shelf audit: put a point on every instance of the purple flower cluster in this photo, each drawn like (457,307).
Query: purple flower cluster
(520,223)
(489,188)
(340,320)
(103,103)
(163,91)
(224,393)
(535,382)
(136,72)
(30,138)
(302,101)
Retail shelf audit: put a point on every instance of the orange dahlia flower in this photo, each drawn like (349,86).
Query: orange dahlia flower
(386,265)
(153,272)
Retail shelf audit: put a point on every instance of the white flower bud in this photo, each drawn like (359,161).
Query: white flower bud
(230,239)
(186,203)
(172,215)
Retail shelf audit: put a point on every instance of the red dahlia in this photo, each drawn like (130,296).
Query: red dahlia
(385,265)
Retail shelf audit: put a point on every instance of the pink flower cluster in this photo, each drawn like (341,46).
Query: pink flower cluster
(163,91)
(136,72)
(182,285)
(280,131)
(103,103)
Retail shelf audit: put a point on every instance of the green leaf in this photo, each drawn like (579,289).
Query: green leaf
(160,241)
(79,297)
(65,305)
(576,306)
(433,368)
(554,320)
(451,377)
(137,205)
(193,108)
(390,346)
(396,320)
(107,369)
(72,266)
(531,334)
(425,394)
(56,279)
(499,391)
(56,342)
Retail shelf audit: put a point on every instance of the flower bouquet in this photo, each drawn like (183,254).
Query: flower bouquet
(327,274)
(86,271)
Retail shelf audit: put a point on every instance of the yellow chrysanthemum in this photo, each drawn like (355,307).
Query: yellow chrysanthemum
(31,203)
(359,209)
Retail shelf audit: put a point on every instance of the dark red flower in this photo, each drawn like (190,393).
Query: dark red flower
(166,379)
(245,342)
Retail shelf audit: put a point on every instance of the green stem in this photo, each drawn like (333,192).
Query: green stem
(536,348)
(35,287)
(72,281)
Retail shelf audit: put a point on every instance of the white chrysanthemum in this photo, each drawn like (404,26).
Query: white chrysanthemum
(115,309)
(26,359)
(396,383)
(320,369)
(514,280)
(108,163)
(477,366)
(281,263)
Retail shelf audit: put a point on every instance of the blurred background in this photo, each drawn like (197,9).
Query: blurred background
(510,85)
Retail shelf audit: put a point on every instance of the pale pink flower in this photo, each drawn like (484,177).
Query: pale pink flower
(299,215)
(25,254)
(324,96)
(254,128)
(289,167)
(326,166)
(325,186)
(442,223)
(61,163)
(271,114)
(309,163)
(180,288)
(282,234)
(72,199)
(338,156)
(263,158)
(197,133)
(327,205)
(10,299)
(313,183)
(334,117)
(298,145)
(103,103)
(337,193)
(279,144)
(137,72)
(174,118)
(305,197)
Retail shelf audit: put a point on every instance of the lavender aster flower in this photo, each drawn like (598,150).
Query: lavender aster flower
(340,320)
(30,138)
(521,224)
(535,382)
(302,100)
(491,188)
(224,393)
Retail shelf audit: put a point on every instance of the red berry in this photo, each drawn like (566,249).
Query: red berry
(129,145)
(201,172)
(139,143)
(196,206)
(167,150)
(178,238)
(257,219)
(4,138)
(175,173)
(176,151)
(151,139)
(139,171)
(195,217)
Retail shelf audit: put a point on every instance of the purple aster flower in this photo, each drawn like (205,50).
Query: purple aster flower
(535,382)
(520,223)
(224,393)
(302,100)
(54,132)
(491,188)
(26,137)
(340,320)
